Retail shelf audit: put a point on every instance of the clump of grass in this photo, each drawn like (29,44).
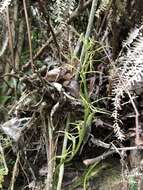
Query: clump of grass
(75,134)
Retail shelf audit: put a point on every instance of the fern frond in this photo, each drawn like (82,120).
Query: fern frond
(71,6)
(61,7)
(102,7)
(3,5)
(132,36)
(130,71)
(64,9)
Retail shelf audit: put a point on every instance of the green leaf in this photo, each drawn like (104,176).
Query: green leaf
(3,99)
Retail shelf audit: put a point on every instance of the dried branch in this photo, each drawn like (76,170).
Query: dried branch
(105,155)
(10,38)
(29,35)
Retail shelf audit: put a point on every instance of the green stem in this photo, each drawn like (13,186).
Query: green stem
(61,170)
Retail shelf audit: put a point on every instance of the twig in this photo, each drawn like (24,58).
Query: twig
(3,158)
(14,173)
(51,160)
(102,144)
(26,175)
(44,11)
(106,16)
(137,139)
(10,38)
(103,156)
(99,158)
(10,75)
(48,135)
(29,35)
(19,45)
(53,35)
(24,157)
(4,44)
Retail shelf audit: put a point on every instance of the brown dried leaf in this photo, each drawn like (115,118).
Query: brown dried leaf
(53,74)
(72,87)
(60,73)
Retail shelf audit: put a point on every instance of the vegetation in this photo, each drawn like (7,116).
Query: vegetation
(71,94)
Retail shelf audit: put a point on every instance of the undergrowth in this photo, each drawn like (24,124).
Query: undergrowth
(54,85)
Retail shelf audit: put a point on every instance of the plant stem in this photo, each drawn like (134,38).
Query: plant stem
(10,38)
(61,170)
(29,35)
(89,27)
